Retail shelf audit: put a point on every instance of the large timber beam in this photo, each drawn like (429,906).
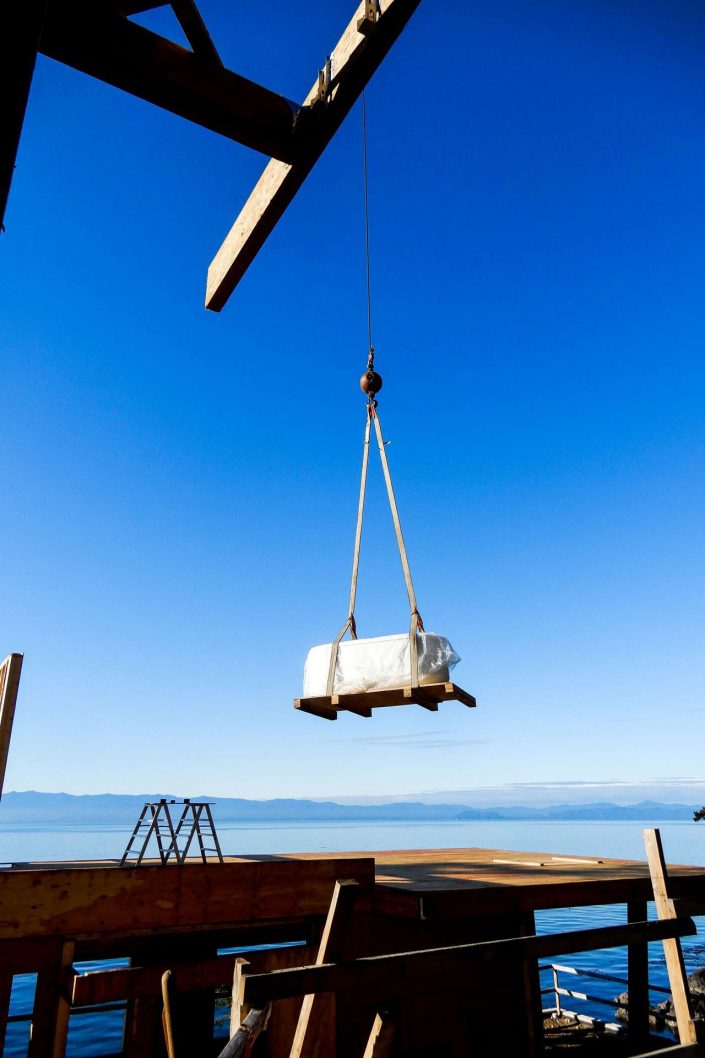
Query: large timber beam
(19,42)
(96,39)
(355,58)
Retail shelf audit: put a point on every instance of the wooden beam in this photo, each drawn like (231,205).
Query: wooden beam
(677,977)
(19,41)
(384,978)
(136,7)
(97,40)
(353,61)
(195,30)
(10,672)
(194,898)
(240,1043)
(337,924)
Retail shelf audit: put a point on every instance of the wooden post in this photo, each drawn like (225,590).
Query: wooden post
(52,1006)
(238,1007)
(532,992)
(9,685)
(665,909)
(337,922)
(638,980)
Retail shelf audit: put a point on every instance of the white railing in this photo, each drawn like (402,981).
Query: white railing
(558,990)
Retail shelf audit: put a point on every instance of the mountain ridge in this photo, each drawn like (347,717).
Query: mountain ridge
(32,806)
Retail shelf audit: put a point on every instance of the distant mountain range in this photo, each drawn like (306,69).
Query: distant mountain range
(123,809)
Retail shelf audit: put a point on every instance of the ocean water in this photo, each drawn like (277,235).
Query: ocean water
(684,842)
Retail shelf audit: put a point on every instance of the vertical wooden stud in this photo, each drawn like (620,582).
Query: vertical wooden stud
(638,980)
(238,1007)
(52,1006)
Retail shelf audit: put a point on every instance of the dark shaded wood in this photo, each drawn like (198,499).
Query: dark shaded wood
(90,36)
(531,984)
(19,42)
(129,982)
(241,1041)
(195,30)
(5,993)
(191,1012)
(353,62)
(50,1015)
(384,978)
(638,980)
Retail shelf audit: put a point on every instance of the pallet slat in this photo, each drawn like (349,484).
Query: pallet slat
(429,696)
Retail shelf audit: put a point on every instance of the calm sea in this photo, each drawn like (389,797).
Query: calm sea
(684,842)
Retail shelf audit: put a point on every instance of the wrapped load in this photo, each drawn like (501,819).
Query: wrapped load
(377,664)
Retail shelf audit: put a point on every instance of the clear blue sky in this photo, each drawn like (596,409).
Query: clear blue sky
(179,488)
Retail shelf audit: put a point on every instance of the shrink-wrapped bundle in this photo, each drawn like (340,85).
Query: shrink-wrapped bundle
(378,664)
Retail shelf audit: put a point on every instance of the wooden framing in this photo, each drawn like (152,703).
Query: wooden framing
(386,978)
(337,923)
(443,927)
(328,706)
(354,59)
(97,38)
(94,37)
(10,671)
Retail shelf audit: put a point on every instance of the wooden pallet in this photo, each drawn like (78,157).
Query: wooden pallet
(328,706)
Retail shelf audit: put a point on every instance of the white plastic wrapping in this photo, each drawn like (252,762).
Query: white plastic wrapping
(378,664)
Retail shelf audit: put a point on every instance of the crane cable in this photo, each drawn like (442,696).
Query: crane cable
(371,383)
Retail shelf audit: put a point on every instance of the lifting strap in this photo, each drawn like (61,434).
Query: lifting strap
(416,622)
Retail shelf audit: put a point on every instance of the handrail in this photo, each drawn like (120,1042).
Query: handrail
(596,975)
(408,972)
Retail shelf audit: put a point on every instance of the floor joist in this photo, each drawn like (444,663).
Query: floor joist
(355,58)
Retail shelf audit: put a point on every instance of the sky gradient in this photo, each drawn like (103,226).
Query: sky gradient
(180,487)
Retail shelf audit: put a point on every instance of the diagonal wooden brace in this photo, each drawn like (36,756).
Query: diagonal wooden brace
(354,59)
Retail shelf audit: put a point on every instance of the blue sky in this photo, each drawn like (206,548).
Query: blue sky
(179,487)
